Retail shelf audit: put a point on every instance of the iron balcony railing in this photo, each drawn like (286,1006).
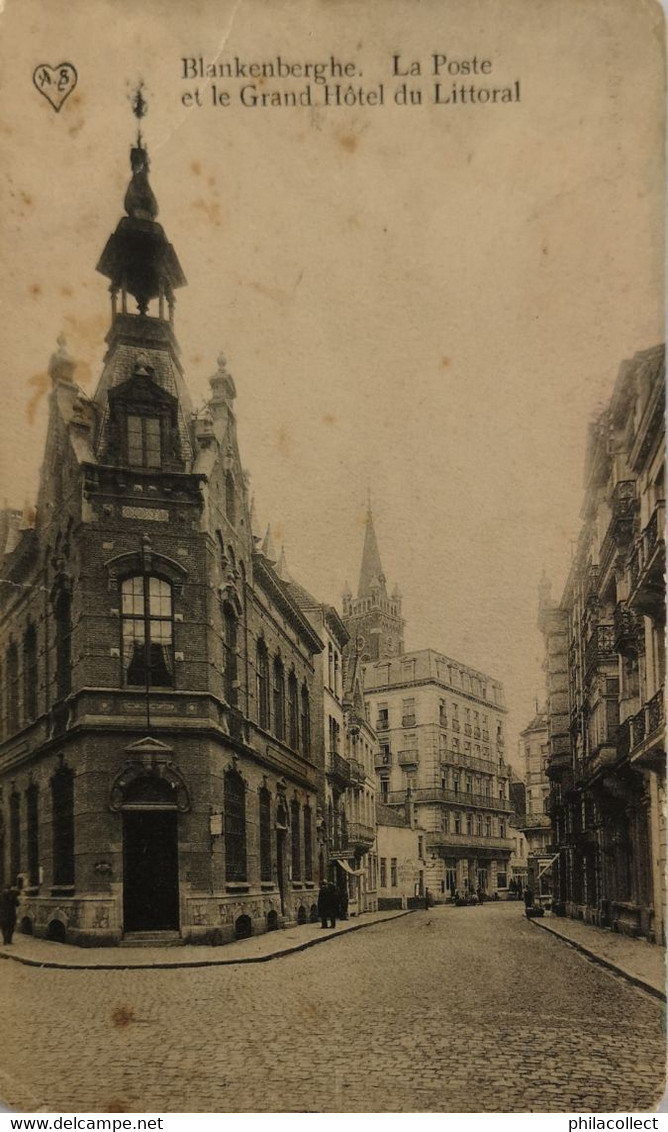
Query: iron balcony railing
(383,760)
(600,648)
(357,771)
(467,840)
(646,722)
(464,798)
(338,767)
(467,762)
(359,834)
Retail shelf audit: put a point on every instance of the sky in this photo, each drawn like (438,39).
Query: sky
(425,303)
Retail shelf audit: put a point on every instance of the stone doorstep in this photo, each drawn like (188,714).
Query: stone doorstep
(283,943)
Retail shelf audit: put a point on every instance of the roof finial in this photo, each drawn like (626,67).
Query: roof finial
(139,107)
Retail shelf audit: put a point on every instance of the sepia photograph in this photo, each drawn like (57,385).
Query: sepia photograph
(332,526)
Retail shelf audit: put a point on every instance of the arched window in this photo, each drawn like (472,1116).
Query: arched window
(296,840)
(306,721)
(230,651)
(147,631)
(279,699)
(308,843)
(235,826)
(230,499)
(265,835)
(62,802)
(30,673)
(32,815)
(63,614)
(12,688)
(14,837)
(293,712)
(262,660)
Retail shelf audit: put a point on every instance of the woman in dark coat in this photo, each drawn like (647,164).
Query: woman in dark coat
(8,905)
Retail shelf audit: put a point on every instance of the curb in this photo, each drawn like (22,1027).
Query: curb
(52,964)
(634,979)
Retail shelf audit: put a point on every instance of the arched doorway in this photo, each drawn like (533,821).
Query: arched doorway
(150,855)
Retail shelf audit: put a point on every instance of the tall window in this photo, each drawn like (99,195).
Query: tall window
(143,441)
(279,699)
(62,802)
(32,815)
(30,672)
(235,826)
(296,841)
(14,837)
(147,631)
(262,661)
(230,499)
(230,649)
(383,872)
(306,721)
(265,834)
(12,688)
(63,614)
(293,711)
(393,872)
(308,843)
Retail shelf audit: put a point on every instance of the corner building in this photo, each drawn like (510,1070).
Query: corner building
(156,757)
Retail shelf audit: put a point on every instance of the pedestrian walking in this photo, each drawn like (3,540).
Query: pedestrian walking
(327,904)
(8,904)
(342,899)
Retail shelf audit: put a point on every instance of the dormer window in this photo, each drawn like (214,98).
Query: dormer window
(143,437)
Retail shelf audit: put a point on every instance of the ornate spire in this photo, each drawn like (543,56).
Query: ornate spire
(371,571)
(138,258)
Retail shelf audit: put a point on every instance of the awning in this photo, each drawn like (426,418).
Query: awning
(346,867)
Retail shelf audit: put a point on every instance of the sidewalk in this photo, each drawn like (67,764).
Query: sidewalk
(258,949)
(640,962)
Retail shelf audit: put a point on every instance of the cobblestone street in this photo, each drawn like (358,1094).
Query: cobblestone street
(468,1009)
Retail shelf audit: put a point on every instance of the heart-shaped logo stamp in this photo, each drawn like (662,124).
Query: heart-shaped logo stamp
(55,83)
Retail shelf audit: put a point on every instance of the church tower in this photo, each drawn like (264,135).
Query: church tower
(374,615)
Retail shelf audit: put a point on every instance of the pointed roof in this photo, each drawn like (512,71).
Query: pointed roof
(268,546)
(371,570)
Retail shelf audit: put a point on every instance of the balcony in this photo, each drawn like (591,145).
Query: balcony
(647,727)
(590,587)
(498,845)
(360,836)
(383,761)
(468,762)
(628,631)
(620,528)
(456,725)
(357,772)
(408,720)
(408,758)
(442,719)
(600,649)
(468,729)
(476,732)
(485,735)
(461,798)
(338,769)
(383,723)
(647,564)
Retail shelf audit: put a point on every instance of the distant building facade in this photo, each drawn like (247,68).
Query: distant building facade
(535,822)
(401,859)
(605,661)
(346,747)
(440,726)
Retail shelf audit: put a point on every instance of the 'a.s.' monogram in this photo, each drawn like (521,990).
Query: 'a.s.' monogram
(55,83)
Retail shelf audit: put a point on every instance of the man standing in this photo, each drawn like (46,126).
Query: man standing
(327,905)
(8,905)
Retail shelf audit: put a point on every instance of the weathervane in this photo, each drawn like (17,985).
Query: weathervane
(139,106)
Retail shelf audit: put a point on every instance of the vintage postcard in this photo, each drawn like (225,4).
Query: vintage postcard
(332,759)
